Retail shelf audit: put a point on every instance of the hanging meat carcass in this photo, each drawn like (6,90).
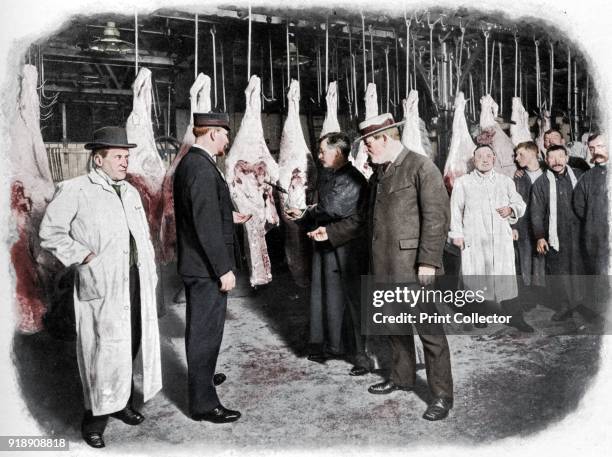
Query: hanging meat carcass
(360,161)
(519,129)
(146,168)
(331,124)
(249,170)
(296,173)
(31,189)
(461,152)
(544,125)
(493,135)
(414,136)
(199,96)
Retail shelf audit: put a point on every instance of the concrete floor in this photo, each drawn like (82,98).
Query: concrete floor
(507,384)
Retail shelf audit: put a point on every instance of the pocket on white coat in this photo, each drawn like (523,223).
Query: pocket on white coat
(91,280)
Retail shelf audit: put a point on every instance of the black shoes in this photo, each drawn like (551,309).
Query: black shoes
(438,409)
(219,378)
(94,439)
(519,323)
(128,416)
(318,357)
(218,415)
(358,371)
(562,315)
(386,387)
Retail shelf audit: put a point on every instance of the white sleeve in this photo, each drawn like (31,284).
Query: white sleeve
(457,204)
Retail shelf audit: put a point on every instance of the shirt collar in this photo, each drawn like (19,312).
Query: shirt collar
(490,176)
(195,145)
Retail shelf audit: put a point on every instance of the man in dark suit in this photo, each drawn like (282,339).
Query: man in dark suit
(409,217)
(205,245)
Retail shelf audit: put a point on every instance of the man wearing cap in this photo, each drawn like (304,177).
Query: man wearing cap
(408,223)
(205,246)
(97,222)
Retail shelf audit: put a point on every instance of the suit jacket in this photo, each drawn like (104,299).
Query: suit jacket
(409,217)
(203,213)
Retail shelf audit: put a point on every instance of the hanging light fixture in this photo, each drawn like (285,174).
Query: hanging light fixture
(110,43)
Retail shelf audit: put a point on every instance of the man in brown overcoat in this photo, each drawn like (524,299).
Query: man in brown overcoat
(409,218)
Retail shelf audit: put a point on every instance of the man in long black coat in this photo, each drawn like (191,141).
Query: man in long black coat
(205,245)
(591,206)
(337,224)
(555,228)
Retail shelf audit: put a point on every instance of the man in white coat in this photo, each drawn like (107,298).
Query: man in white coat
(483,205)
(97,222)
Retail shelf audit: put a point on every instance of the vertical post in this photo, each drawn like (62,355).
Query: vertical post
(363,47)
(326,54)
(64,125)
(136,42)
(169,111)
(249,46)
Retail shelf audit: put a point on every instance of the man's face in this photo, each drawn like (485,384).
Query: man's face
(599,150)
(328,156)
(523,157)
(376,147)
(220,138)
(552,139)
(556,160)
(115,163)
(484,159)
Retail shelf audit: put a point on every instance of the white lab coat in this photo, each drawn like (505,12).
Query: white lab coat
(86,216)
(487,261)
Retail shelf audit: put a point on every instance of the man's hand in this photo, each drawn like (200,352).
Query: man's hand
(240,218)
(318,234)
(88,259)
(515,235)
(459,243)
(293,213)
(427,275)
(504,211)
(542,246)
(228,282)
(519,173)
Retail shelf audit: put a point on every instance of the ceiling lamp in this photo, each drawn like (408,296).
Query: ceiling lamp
(110,43)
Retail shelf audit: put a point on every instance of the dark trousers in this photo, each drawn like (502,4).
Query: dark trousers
(205,318)
(327,302)
(97,424)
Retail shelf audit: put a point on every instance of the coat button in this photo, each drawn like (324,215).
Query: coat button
(126,279)
(126,252)
(126,308)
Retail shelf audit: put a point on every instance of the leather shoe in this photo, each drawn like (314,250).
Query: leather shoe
(94,439)
(218,415)
(358,371)
(219,378)
(520,324)
(318,357)
(438,409)
(128,416)
(386,387)
(561,315)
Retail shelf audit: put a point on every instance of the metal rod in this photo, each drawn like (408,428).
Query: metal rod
(64,124)
(515,65)
(408,85)
(355,99)
(168,111)
(249,45)
(576,114)
(486,56)
(387,73)
(136,42)
(213,32)
(288,59)
(551,79)
(271,69)
(490,89)
(569,80)
(318,74)
(297,58)
(363,46)
(538,89)
(459,63)
(326,54)
(501,81)
(223,78)
(370,28)
(197,39)
(396,88)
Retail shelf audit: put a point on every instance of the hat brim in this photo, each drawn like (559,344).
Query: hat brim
(382,129)
(93,146)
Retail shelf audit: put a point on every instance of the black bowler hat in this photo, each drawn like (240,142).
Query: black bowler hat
(109,137)
(211,120)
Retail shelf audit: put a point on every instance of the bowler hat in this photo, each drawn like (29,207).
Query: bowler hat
(211,120)
(377,124)
(109,137)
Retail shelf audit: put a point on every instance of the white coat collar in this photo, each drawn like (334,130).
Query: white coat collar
(97,176)
(482,176)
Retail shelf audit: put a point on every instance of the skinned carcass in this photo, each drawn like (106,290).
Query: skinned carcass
(461,152)
(199,96)
(250,170)
(360,160)
(519,129)
(493,135)
(331,124)
(414,136)
(32,188)
(296,173)
(544,126)
(146,168)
